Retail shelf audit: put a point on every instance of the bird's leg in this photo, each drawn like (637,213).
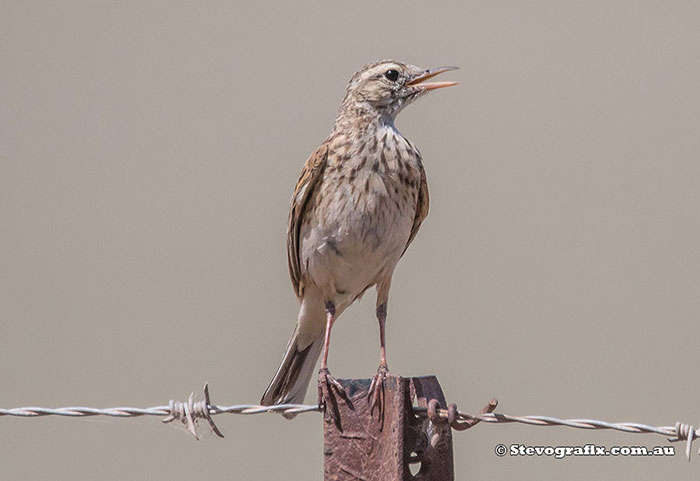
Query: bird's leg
(330,318)
(376,389)
(328,386)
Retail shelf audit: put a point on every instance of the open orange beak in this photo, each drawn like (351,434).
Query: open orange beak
(430,73)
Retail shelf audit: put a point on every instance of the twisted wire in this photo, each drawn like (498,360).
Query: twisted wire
(188,412)
(131,412)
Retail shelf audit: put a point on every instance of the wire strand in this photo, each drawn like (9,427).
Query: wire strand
(188,412)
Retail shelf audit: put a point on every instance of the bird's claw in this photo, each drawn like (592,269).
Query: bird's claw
(329,389)
(375,394)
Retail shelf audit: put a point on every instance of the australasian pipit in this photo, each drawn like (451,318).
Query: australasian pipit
(359,202)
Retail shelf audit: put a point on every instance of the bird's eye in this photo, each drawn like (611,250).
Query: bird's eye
(392,75)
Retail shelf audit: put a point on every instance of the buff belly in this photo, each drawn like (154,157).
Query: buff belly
(343,257)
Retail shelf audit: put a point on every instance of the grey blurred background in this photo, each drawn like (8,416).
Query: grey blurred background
(148,151)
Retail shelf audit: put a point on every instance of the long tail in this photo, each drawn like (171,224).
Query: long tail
(291,380)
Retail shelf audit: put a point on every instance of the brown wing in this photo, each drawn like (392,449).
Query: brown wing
(308,181)
(422,205)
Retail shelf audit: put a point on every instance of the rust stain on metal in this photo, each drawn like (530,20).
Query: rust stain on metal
(366,446)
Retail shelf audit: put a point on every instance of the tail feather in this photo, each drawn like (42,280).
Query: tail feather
(291,380)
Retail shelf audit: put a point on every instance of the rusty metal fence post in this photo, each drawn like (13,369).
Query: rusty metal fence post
(396,447)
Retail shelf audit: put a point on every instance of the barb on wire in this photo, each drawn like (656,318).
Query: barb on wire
(679,432)
(188,413)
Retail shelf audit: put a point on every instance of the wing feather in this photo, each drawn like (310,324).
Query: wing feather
(309,179)
(422,207)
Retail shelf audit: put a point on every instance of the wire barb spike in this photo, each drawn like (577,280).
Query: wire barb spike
(190,411)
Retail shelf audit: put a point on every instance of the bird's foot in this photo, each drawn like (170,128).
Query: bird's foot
(375,396)
(329,389)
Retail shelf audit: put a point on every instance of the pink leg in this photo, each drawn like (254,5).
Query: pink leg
(376,389)
(381,317)
(328,386)
(330,319)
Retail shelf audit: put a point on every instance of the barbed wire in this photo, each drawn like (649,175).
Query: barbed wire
(190,411)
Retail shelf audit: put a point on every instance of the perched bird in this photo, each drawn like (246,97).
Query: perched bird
(359,202)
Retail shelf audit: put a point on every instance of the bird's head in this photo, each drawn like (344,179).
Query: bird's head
(388,86)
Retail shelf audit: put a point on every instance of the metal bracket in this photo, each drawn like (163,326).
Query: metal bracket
(398,446)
